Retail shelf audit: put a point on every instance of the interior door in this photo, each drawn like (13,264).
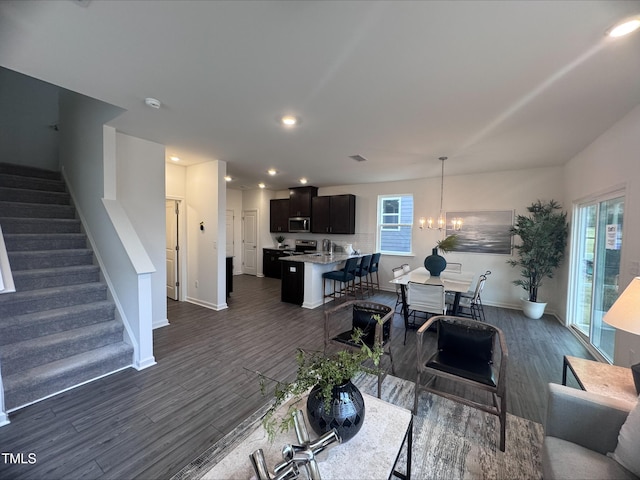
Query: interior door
(250,242)
(171,212)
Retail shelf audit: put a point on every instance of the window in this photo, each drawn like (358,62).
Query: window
(395,224)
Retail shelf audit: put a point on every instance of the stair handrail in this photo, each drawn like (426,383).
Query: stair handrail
(6,278)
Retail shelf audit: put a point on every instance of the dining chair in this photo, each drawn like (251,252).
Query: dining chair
(398,272)
(453,268)
(425,298)
(471,353)
(474,303)
(405,267)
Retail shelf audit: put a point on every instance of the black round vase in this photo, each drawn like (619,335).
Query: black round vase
(435,263)
(346,413)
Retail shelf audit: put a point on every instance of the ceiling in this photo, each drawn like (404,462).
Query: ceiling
(493,85)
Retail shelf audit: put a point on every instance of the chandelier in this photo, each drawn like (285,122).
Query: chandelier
(440,222)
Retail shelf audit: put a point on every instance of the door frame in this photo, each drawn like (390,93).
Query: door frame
(182,246)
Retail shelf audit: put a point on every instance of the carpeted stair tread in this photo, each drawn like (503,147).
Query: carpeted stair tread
(29,259)
(30,353)
(25,195)
(19,181)
(53,277)
(39,225)
(45,380)
(36,210)
(40,241)
(31,301)
(29,171)
(47,322)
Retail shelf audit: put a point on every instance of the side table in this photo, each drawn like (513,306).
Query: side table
(602,378)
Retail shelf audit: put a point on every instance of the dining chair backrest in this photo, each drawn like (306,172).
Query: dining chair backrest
(426,298)
(453,267)
(479,287)
(398,272)
(406,267)
(350,267)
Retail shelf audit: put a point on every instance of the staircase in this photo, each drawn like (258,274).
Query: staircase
(58,329)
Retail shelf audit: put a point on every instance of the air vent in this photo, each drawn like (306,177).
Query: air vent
(358,158)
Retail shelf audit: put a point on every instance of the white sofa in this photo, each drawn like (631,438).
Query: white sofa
(580,429)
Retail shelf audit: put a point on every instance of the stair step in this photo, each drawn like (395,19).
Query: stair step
(20,303)
(40,225)
(36,210)
(16,181)
(55,277)
(32,325)
(34,196)
(31,353)
(45,380)
(16,242)
(30,259)
(29,171)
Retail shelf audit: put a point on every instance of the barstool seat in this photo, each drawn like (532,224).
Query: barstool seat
(344,276)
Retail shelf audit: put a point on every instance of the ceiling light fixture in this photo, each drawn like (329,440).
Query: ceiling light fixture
(174,158)
(227,178)
(624,28)
(440,222)
(261,185)
(290,120)
(303,181)
(272,171)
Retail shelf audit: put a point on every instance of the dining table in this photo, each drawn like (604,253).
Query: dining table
(453,282)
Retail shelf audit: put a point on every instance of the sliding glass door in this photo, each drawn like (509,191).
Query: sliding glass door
(597,243)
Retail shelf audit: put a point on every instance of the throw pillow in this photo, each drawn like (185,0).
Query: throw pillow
(626,452)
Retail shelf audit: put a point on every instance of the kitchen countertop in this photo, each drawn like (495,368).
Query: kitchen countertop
(320,258)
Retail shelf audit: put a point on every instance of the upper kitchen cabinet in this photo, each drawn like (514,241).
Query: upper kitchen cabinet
(300,201)
(279,215)
(334,214)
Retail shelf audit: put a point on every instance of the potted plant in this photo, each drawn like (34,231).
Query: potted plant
(329,378)
(543,234)
(436,263)
(280,239)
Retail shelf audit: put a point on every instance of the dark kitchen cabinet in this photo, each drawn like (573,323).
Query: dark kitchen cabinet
(334,214)
(271,264)
(279,215)
(300,201)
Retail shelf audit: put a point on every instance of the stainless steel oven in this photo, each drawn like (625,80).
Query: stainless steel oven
(299,225)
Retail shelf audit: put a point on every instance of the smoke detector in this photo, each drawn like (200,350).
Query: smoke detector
(152,102)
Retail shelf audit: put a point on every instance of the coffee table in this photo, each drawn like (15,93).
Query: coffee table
(372,453)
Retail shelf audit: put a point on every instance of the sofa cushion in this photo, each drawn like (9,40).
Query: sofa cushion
(566,460)
(627,452)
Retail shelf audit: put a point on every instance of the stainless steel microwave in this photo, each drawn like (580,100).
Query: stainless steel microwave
(299,224)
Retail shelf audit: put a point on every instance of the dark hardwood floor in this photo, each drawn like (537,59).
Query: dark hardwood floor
(149,424)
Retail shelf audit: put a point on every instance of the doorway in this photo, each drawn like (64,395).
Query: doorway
(597,246)
(250,242)
(172,248)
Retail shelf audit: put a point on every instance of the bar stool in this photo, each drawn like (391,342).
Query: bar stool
(361,273)
(344,276)
(373,268)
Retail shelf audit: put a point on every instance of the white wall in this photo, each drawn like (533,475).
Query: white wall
(234,203)
(613,160)
(28,107)
(141,191)
(206,204)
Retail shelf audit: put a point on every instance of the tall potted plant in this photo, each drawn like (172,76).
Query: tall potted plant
(543,234)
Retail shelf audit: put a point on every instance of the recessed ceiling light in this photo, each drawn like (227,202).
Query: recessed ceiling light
(272,171)
(261,185)
(228,178)
(290,120)
(174,158)
(303,181)
(624,28)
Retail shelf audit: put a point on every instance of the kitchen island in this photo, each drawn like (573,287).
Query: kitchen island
(315,264)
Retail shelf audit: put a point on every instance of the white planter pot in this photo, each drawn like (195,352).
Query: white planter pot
(533,309)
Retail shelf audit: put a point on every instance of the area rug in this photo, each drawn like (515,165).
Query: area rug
(450,440)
